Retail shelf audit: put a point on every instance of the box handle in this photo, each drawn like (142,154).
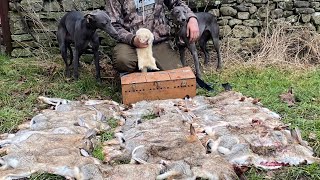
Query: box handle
(183,83)
(157,84)
(133,86)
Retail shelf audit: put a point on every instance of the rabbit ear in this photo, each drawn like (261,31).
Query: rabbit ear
(209,143)
(192,130)
(163,162)
(296,135)
(212,146)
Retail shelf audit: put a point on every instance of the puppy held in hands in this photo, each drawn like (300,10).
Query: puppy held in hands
(145,58)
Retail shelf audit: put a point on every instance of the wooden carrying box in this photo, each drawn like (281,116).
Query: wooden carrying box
(171,84)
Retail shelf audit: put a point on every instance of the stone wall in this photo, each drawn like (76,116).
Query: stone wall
(240,21)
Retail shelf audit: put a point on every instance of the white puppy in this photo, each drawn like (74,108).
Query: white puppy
(145,58)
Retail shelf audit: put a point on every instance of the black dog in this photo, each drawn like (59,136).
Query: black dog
(208,28)
(76,28)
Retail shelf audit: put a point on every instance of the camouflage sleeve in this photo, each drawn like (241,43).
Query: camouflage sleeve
(114,8)
(173,3)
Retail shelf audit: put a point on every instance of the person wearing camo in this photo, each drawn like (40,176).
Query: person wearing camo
(127,16)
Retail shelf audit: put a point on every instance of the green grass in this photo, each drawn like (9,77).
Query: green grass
(98,152)
(306,172)
(23,80)
(303,172)
(149,116)
(46,176)
(108,135)
(112,122)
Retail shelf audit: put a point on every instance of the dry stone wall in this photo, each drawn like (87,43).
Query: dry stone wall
(240,21)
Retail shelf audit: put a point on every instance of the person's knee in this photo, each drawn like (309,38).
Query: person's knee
(167,58)
(124,58)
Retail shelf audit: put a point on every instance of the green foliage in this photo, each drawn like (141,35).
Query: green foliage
(107,136)
(98,152)
(121,161)
(46,176)
(311,172)
(149,116)
(112,122)
(305,172)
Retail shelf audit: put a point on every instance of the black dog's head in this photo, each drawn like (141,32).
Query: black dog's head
(179,14)
(99,19)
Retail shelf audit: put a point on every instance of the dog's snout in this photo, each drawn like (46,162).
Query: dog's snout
(183,19)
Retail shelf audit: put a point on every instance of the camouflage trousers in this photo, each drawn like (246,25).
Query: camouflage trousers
(125,57)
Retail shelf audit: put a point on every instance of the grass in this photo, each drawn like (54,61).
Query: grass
(46,176)
(149,116)
(307,172)
(112,122)
(108,135)
(98,152)
(23,80)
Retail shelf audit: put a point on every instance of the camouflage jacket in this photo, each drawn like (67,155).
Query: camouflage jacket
(127,16)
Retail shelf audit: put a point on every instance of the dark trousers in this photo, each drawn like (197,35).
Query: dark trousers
(125,57)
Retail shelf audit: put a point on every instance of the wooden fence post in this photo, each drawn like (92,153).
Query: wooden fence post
(4,13)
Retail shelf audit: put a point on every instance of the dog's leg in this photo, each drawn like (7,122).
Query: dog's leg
(193,50)
(203,46)
(79,46)
(182,51)
(64,53)
(78,51)
(71,53)
(217,48)
(95,49)
(76,57)
(215,39)
(61,37)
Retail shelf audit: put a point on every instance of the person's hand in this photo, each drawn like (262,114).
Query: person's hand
(192,29)
(138,44)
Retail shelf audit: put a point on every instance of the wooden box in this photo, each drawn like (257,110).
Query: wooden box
(176,83)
